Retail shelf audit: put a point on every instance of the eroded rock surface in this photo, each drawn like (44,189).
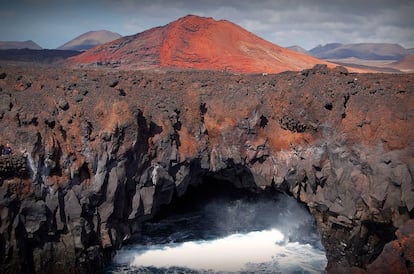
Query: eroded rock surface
(104,150)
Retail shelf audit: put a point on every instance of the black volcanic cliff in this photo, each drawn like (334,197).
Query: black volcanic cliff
(103,151)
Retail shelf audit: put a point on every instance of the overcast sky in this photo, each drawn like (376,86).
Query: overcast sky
(51,23)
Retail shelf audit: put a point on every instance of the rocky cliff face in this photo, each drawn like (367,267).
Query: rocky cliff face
(104,150)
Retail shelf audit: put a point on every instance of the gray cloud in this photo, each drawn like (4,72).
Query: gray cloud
(284,22)
(289,22)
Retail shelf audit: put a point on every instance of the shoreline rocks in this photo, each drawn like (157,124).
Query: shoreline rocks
(96,170)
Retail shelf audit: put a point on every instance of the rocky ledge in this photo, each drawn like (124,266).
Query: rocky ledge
(98,152)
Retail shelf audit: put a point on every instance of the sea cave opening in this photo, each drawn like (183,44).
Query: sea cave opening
(218,226)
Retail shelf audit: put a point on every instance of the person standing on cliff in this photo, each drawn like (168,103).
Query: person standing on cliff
(6,150)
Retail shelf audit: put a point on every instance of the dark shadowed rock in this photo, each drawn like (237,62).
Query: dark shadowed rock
(33,215)
(339,142)
(398,255)
(63,104)
(73,209)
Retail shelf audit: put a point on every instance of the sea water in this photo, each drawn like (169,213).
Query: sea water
(228,236)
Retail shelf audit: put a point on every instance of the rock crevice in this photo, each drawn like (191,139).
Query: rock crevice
(110,162)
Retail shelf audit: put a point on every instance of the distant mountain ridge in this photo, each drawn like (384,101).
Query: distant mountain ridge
(43,56)
(19,45)
(89,40)
(194,42)
(366,51)
(298,49)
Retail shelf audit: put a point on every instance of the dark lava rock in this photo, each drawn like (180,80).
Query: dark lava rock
(83,181)
(63,104)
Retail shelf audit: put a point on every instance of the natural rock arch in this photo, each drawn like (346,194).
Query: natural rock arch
(102,165)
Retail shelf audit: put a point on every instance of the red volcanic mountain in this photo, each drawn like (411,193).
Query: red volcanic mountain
(197,43)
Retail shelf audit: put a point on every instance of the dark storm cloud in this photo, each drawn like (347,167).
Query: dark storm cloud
(285,22)
(288,22)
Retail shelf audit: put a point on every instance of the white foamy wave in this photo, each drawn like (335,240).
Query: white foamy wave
(259,251)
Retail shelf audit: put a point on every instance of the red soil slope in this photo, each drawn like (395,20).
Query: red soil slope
(405,65)
(197,43)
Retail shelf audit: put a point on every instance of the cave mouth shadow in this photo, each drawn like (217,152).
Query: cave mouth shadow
(220,204)
(225,211)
